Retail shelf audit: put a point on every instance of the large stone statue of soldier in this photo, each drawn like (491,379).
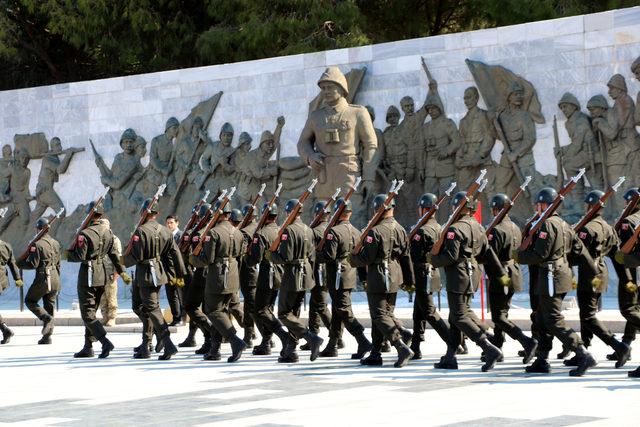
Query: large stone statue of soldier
(215,162)
(161,156)
(18,197)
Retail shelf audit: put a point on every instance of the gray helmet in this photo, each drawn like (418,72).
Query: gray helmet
(226,127)
(593,197)
(379,201)
(128,134)
(569,98)
(319,207)
(598,101)
(290,205)
(427,201)
(225,210)
(246,208)
(145,206)
(546,195)
(499,201)
(99,210)
(244,138)
(630,194)
(171,123)
(348,207)
(273,209)
(236,215)
(204,209)
(42,223)
(393,110)
(617,81)
(460,196)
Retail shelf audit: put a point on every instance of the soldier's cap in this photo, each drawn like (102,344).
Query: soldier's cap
(128,134)
(225,210)
(379,201)
(266,136)
(593,197)
(348,206)
(393,110)
(290,205)
(171,123)
(462,195)
(630,194)
(245,209)
(569,98)
(244,138)
(635,65)
(41,223)
(236,215)
(546,195)
(433,100)
(146,204)
(273,209)
(226,128)
(99,210)
(334,75)
(319,207)
(598,101)
(499,201)
(427,201)
(204,209)
(617,81)
(515,86)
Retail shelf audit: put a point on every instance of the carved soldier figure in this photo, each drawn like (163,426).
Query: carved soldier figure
(216,162)
(160,163)
(6,164)
(395,161)
(410,130)
(188,151)
(19,196)
(379,181)
(119,177)
(635,69)
(583,151)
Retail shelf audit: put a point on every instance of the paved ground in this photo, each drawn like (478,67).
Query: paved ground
(44,385)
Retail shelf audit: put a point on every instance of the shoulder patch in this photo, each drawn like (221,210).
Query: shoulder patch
(417,237)
(583,235)
(625,226)
(207,238)
(81,240)
(32,249)
(451,235)
(195,239)
(329,236)
(490,237)
(369,239)
(136,238)
(185,238)
(255,240)
(543,235)
(284,237)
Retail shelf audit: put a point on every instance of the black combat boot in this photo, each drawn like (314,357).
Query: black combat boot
(331,350)
(448,361)
(190,341)
(462,348)
(635,373)
(288,353)
(529,346)
(169,348)
(614,355)
(6,333)
(159,341)
(386,348)
(144,344)
(404,354)
(566,351)
(415,347)
(340,344)
(206,346)
(214,351)
(492,354)
(144,352)
(314,342)
(407,336)
(539,366)
(364,346)
(374,359)
(623,351)
(248,337)
(47,325)
(237,347)
(262,349)
(107,347)
(587,361)
(45,340)
(86,351)
(574,361)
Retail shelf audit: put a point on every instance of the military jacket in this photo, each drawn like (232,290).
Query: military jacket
(427,277)
(600,240)
(222,246)
(7,261)
(583,141)
(630,260)
(477,138)
(519,129)
(296,253)
(248,274)
(319,267)
(44,257)
(504,239)
(269,274)
(441,142)
(340,241)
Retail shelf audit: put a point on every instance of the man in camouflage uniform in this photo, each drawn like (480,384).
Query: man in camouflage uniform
(91,248)
(215,162)
(109,300)
(7,261)
(160,156)
(385,255)
(44,257)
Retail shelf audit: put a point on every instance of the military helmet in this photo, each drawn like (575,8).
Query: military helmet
(236,215)
(204,209)
(244,138)
(546,195)
(462,195)
(630,194)
(334,75)
(393,110)
(273,209)
(598,101)
(146,204)
(99,210)
(593,197)
(427,201)
(225,210)
(266,136)
(246,208)
(42,223)
(128,134)
(433,100)
(319,207)
(348,206)
(290,205)
(499,201)
(379,201)
(569,98)
(171,123)
(617,81)
(226,128)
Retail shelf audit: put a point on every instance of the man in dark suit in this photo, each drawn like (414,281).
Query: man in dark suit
(174,293)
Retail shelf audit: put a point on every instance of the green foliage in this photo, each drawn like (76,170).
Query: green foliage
(54,41)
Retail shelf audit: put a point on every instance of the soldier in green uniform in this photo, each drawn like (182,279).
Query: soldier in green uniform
(7,261)
(427,279)
(341,281)
(600,240)
(386,256)
(157,261)
(92,247)
(221,248)
(465,246)
(504,240)
(296,253)
(550,250)
(44,257)
(248,278)
(269,278)
(632,261)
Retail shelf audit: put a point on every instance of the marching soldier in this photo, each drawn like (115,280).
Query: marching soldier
(600,240)
(549,251)
(464,247)
(44,257)
(221,248)
(296,254)
(341,280)
(385,254)
(157,262)
(427,279)
(504,240)
(7,260)
(269,277)
(248,278)
(91,248)
(631,260)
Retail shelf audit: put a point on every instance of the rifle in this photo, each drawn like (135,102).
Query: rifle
(473,189)
(631,242)
(87,219)
(505,209)
(252,208)
(537,223)
(631,206)
(102,166)
(40,234)
(292,216)
(431,212)
(377,216)
(505,141)
(559,156)
(196,209)
(327,209)
(426,70)
(214,219)
(183,179)
(597,206)
(265,214)
(337,214)
(184,243)
(143,218)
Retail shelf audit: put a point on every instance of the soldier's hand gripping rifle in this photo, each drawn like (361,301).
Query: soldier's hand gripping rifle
(631,206)
(265,214)
(431,212)
(537,224)
(375,219)
(327,209)
(292,216)
(143,217)
(214,220)
(507,145)
(252,208)
(505,209)
(40,234)
(337,214)
(597,206)
(472,191)
(87,219)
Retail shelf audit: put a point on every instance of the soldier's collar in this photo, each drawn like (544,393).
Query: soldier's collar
(339,107)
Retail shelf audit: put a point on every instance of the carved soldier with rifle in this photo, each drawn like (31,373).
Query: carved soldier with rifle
(7,260)
(215,162)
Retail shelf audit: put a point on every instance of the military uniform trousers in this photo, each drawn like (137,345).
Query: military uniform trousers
(319,313)
(194,297)
(424,310)
(146,304)
(628,304)
(500,304)
(235,309)
(384,324)
(533,300)
(249,306)
(588,302)
(342,314)
(109,300)
(266,319)
(289,305)
(216,305)
(36,292)
(462,320)
(551,323)
(89,299)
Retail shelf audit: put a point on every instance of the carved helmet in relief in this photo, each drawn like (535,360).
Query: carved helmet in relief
(598,101)
(171,123)
(617,81)
(334,75)
(129,134)
(433,100)
(569,98)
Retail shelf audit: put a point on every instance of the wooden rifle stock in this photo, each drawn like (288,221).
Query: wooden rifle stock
(337,214)
(292,216)
(505,209)
(214,220)
(87,219)
(143,217)
(195,221)
(431,212)
(327,209)
(597,206)
(252,208)
(631,206)
(40,234)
